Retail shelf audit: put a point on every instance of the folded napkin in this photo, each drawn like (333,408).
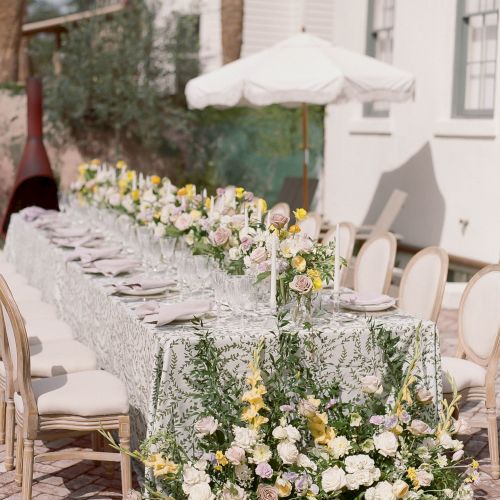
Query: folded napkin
(86,241)
(50,220)
(87,255)
(166,313)
(31,213)
(142,284)
(114,267)
(366,299)
(71,232)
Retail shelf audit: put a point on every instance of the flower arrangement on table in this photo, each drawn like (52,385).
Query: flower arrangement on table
(288,435)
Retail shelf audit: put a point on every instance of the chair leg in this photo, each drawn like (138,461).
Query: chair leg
(19,456)
(126,470)
(27,469)
(9,435)
(2,416)
(491,414)
(97,443)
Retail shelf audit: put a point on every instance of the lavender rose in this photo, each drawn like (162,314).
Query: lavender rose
(301,284)
(279,220)
(220,236)
(267,492)
(264,470)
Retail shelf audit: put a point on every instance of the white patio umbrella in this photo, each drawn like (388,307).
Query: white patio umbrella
(298,71)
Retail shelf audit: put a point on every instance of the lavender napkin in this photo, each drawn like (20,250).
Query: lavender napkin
(166,313)
(31,213)
(86,241)
(142,285)
(113,267)
(87,255)
(366,299)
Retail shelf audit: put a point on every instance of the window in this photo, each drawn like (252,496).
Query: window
(379,44)
(475,58)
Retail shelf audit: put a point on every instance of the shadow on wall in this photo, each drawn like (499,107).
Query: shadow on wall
(421,219)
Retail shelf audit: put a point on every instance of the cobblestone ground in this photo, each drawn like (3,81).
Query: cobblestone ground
(73,479)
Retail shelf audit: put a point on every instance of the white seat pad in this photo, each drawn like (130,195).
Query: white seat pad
(57,358)
(85,394)
(465,373)
(48,330)
(33,310)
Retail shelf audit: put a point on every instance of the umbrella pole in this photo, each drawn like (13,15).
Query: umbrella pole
(305,138)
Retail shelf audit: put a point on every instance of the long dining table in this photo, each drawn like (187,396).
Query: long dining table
(155,362)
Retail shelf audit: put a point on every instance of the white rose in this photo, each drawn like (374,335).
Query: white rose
(234,253)
(305,462)
(359,478)
(386,443)
(114,200)
(333,479)
(371,385)
(206,426)
(261,453)
(243,473)
(292,433)
(419,428)
(235,455)
(192,476)
(355,463)
(288,452)
(201,491)
(382,491)
(280,433)
(460,426)
(340,446)
(424,478)
(244,438)
(183,222)
(448,443)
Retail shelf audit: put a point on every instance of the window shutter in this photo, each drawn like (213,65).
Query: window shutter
(318,18)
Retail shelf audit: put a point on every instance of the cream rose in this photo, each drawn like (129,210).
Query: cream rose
(220,236)
(386,443)
(371,385)
(301,284)
(382,491)
(258,255)
(333,479)
(267,492)
(261,453)
(206,426)
(340,446)
(305,462)
(424,396)
(183,222)
(201,491)
(400,488)
(424,478)
(288,452)
(419,428)
(279,220)
(244,438)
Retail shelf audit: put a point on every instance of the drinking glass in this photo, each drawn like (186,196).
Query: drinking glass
(202,265)
(167,247)
(144,237)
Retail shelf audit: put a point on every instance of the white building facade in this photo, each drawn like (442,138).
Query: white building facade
(443,148)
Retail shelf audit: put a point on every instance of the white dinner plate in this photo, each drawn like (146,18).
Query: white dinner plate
(143,293)
(368,308)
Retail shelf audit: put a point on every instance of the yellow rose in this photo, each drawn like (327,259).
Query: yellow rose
(283,486)
(182,192)
(136,194)
(155,179)
(300,214)
(294,229)
(120,164)
(299,263)
(195,214)
(240,192)
(262,204)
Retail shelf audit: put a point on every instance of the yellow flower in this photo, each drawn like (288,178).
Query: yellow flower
(189,189)
(283,486)
(131,175)
(317,283)
(240,192)
(161,466)
(412,475)
(299,263)
(136,194)
(82,168)
(182,192)
(155,179)
(262,204)
(295,229)
(122,184)
(300,214)
(95,161)
(474,464)
(313,273)
(221,458)
(208,202)
(259,420)
(120,164)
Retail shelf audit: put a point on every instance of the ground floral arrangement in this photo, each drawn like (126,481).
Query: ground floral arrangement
(282,433)
(232,225)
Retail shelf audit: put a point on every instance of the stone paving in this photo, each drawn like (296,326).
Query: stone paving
(72,479)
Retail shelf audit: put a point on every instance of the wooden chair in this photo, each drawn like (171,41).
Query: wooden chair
(422,284)
(281,208)
(374,264)
(347,240)
(84,402)
(386,218)
(475,366)
(311,225)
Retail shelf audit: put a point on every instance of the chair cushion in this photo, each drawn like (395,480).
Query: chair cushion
(47,330)
(85,394)
(465,373)
(57,358)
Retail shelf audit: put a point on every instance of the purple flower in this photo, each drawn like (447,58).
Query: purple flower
(405,417)
(209,457)
(264,470)
(390,421)
(246,242)
(302,483)
(264,266)
(290,476)
(314,488)
(287,408)
(330,403)
(377,420)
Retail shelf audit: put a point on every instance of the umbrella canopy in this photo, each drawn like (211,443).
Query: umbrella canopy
(302,69)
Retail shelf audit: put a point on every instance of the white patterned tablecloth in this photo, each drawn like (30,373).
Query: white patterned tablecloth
(154,363)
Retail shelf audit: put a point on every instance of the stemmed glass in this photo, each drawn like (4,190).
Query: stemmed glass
(144,238)
(167,247)
(202,265)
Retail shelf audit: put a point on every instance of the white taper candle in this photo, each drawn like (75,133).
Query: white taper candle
(336,276)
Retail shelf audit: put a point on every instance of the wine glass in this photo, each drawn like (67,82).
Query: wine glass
(167,247)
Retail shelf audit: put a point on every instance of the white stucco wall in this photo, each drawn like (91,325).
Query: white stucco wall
(449,172)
